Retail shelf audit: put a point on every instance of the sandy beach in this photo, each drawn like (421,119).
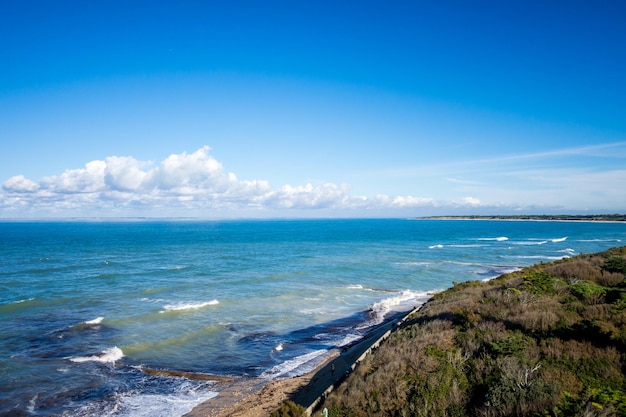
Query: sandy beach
(253,397)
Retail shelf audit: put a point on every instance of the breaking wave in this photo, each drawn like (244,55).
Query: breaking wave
(405,300)
(497,239)
(299,365)
(186,306)
(110,355)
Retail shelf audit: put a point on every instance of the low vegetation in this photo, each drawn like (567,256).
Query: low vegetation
(549,340)
(289,409)
(543,217)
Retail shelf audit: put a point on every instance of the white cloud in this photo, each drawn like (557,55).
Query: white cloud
(462,182)
(196,170)
(197,184)
(124,173)
(308,196)
(405,201)
(472,201)
(84,180)
(20,184)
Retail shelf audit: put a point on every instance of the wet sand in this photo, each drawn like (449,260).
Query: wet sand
(253,397)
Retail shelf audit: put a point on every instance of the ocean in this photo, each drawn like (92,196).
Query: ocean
(85,306)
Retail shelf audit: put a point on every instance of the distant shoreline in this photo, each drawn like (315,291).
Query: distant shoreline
(604,218)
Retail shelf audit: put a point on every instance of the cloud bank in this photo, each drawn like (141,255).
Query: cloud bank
(194,184)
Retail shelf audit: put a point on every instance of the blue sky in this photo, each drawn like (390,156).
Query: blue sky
(312,109)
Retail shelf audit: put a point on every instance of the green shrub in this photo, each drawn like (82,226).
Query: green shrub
(588,292)
(511,345)
(575,271)
(611,401)
(615,264)
(610,398)
(289,409)
(539,283)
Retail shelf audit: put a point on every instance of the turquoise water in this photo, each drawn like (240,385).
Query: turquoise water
(84,305)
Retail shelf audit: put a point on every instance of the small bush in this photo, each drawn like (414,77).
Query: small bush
(289,409)
(575,271)
(611,279)
(587,292)
(615,264)
(511,345)
(539,283)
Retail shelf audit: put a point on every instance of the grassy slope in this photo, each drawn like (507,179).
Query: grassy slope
(547,340)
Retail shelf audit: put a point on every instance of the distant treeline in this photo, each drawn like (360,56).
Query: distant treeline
(549,340)
(546,217)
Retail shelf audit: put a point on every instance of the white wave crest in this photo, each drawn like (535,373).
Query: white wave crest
(111,355)
(599,240)
(561,239)
(544,258)
(404,300)
(355,287)
(497,239)
(500,272)
(413,263)
(436,246)
(97,320)
(350,338)
(181,306)
(531,242)
(13,304)
(299,365)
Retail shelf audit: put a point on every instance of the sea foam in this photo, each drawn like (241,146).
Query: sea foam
(531,242)
(163,405)
(403,301)
(110,355)
(355,287)
(569,251)
(186,306)
(97,320)
(299,365)
(184,396)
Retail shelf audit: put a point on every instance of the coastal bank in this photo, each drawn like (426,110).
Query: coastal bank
(548,339)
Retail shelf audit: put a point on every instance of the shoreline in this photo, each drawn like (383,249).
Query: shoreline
(254,397)
(536,218)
